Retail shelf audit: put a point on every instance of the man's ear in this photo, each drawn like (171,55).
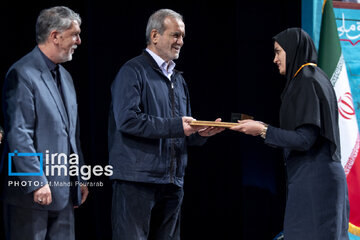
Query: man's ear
(154,35)
(54,36)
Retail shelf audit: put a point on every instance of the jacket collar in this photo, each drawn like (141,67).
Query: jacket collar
(51,85)
(153,63)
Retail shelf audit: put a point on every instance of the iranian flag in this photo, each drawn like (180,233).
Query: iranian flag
(332,62)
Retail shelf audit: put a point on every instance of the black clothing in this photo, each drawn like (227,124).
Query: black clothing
(146,211)
(300,140)
(308,98)
(55,73)
(317,204)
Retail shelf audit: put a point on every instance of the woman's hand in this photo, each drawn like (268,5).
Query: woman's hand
(249,127)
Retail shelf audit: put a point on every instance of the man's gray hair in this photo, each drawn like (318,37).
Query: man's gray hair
(156,21)
(55,18)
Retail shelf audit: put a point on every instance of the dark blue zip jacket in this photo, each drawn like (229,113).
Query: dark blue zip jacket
(146,137)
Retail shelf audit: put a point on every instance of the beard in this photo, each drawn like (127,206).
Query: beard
(67,55)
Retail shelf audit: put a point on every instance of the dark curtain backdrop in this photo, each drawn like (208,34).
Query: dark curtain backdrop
(234,185)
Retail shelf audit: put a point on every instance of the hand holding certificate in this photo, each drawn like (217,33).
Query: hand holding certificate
(208,128)
(251,127)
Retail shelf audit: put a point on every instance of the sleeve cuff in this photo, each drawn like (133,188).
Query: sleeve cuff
(176,128)
(34,183)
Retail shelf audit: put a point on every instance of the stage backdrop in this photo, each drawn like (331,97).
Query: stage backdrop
(348,22)
(346,18)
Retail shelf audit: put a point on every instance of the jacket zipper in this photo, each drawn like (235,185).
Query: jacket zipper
(172,156)
(172,150)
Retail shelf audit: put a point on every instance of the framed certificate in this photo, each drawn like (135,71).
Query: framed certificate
(213,124)
(236,116)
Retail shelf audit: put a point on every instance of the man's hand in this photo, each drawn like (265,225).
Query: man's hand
(42,195)
(188,129)
(211,131)
(84,193)
(1,134)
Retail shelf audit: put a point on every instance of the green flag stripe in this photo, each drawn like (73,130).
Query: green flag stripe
(335,76)
(329,45)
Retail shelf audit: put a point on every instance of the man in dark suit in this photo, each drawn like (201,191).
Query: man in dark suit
(41,118)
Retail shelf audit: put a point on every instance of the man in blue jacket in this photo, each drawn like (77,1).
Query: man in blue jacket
(148,135)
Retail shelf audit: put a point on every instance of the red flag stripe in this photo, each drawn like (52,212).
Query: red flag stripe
(353,180)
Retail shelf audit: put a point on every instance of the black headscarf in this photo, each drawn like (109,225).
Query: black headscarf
(299,50)
(309,97)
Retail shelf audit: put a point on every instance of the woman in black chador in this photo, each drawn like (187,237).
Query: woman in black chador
(317,203)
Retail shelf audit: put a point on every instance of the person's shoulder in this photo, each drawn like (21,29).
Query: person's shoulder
(314,75)
(304,81)
(138,63)
(26,70)
(140,59)
(26,60)
(24,64)
(320,81)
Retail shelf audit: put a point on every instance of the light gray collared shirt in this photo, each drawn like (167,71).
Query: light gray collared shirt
(166,68)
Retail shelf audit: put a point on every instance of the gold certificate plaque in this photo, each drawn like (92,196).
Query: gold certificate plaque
(213,124)
(220,124)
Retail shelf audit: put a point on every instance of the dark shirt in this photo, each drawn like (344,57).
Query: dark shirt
(51,65)
(54,70)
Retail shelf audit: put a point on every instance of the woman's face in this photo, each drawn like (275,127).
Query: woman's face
(280,58)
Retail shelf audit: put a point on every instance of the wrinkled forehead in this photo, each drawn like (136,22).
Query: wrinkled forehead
(174,24)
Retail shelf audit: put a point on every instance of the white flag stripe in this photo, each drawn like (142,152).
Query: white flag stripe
(349,133)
